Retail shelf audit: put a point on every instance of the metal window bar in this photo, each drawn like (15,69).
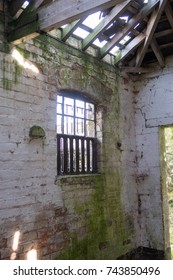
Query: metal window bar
(76,157)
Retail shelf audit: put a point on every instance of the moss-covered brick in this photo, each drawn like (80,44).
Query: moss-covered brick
(82,217)
(102,219)
(11,73)
(36,132)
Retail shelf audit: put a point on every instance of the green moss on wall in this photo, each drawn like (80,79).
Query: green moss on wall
(118,56)
(10,75)
(92,213)
(24,53)
(17,73)
(6,83)
(102,218)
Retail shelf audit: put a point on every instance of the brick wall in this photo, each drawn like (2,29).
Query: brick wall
(153,111)
(79,217)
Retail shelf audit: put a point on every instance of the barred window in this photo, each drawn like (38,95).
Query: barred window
(76,135)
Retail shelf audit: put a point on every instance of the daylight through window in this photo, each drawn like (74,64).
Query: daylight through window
(76,136)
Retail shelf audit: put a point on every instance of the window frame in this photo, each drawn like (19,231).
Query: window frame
(76,154)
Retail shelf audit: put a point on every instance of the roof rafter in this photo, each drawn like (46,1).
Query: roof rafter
(69,29)
(142,39)
(65,11)
(15,6)
(58,13)
(163,33)
(113,15)
(29,14)
(139,70)
(157,52)
(130,47)
(169,14)
(131,24)
(33,6)
(165,46)
(152,24)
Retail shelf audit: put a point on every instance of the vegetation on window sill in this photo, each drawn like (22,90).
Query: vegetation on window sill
(65,178)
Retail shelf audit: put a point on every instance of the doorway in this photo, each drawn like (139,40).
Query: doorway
(166,144)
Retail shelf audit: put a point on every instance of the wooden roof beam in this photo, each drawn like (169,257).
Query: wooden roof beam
(15,6)
(130,47)
(169,14)
(28,14)
(163,33)
(157,52)
(138,70)
(131,24)
(33,6)
(62,12)
(58,13)
(162,47)
(152,24)
(113,15)
(70,28)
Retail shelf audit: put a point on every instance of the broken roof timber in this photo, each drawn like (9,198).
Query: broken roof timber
(58,13)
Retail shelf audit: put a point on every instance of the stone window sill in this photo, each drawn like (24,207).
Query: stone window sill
(76,179)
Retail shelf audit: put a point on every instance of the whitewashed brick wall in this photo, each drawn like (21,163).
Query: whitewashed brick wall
(30,201)
(153,109)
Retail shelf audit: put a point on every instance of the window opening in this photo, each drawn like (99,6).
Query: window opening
(76,136)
